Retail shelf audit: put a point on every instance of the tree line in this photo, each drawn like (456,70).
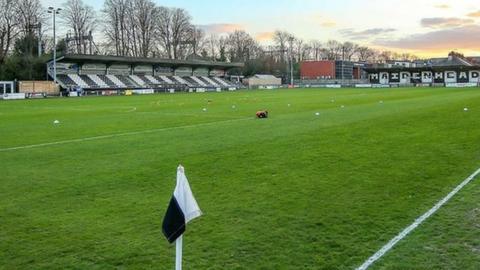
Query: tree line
(142,28)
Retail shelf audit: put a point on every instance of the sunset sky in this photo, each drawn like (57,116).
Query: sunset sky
(424,27)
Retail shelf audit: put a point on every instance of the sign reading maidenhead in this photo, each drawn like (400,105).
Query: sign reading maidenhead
(407,77)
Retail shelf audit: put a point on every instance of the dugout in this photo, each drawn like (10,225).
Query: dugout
(7,87)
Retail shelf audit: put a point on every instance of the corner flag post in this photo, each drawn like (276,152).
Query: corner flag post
(178,258)
(182,209)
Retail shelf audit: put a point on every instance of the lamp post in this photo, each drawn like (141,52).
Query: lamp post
(291,39)
(54,12)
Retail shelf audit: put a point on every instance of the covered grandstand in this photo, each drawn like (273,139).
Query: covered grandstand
(117,73)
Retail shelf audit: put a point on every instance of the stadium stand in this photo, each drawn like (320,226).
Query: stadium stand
(65,80)
(78,80)
(123,73)
(181,80)
(138,80)
(166,79)
(198,81)
(221,82)
(209,81)
(127,81)
(192,82)
(117,82)
(89,81)
(151,79)
(107,81)
(99,82)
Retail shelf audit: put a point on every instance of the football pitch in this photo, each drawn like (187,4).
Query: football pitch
(323,183)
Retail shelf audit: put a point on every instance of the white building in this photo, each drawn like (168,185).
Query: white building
(263,80)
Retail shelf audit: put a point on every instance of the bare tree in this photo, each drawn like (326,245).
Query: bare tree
(300,49)
(181,27)
(80,19)
(8,27)
(385,56)
(143,24)
(194,43)
(348,50)
(281,39)
(164,31)
(408,57)
(333,50)
(242,46)
(316,50)
(365,54)
(212,46)
(115,29)
(30,13)
(222,49)
(174,31)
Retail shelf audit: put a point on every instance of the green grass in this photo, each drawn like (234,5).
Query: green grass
(295,191)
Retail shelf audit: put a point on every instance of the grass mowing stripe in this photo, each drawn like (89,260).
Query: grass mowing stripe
(416,223)
(117,135)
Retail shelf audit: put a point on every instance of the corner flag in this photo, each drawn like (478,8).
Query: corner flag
(182,208)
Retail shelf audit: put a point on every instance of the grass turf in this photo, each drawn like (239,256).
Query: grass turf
(295,191)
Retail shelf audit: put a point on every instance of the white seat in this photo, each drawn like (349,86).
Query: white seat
(198,81)
(137,80)
(97,80)
(166,79)
(152,79)
(116,81)
(78,80)
(181,80)
(211,82)
(221,81)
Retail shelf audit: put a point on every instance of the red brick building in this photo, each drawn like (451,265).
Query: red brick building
(317,70)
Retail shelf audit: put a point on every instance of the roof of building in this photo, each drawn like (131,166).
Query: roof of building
(110,59)
(401,61)
(452,62)
(445,61)
(474,59)
(264,76)
(421,68)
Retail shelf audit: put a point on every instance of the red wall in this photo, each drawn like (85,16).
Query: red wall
(317,69)
(357,73)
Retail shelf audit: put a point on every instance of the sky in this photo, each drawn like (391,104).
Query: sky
(427,28)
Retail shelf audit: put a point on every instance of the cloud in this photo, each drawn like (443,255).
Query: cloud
(328,24)
(442,6)
(320,19)
(365,34)
(445,22)
(264,36)
(465,37)
(475,14)
(221,28)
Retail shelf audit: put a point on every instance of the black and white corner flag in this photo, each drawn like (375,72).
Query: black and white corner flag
(182,208)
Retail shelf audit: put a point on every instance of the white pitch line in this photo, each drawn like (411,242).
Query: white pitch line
(416,223)
(117,135)
(132,109)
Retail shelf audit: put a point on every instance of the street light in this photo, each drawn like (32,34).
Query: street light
(54,12)
(291,39)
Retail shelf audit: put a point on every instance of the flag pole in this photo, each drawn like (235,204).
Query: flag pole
(179,241)
(178,259)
